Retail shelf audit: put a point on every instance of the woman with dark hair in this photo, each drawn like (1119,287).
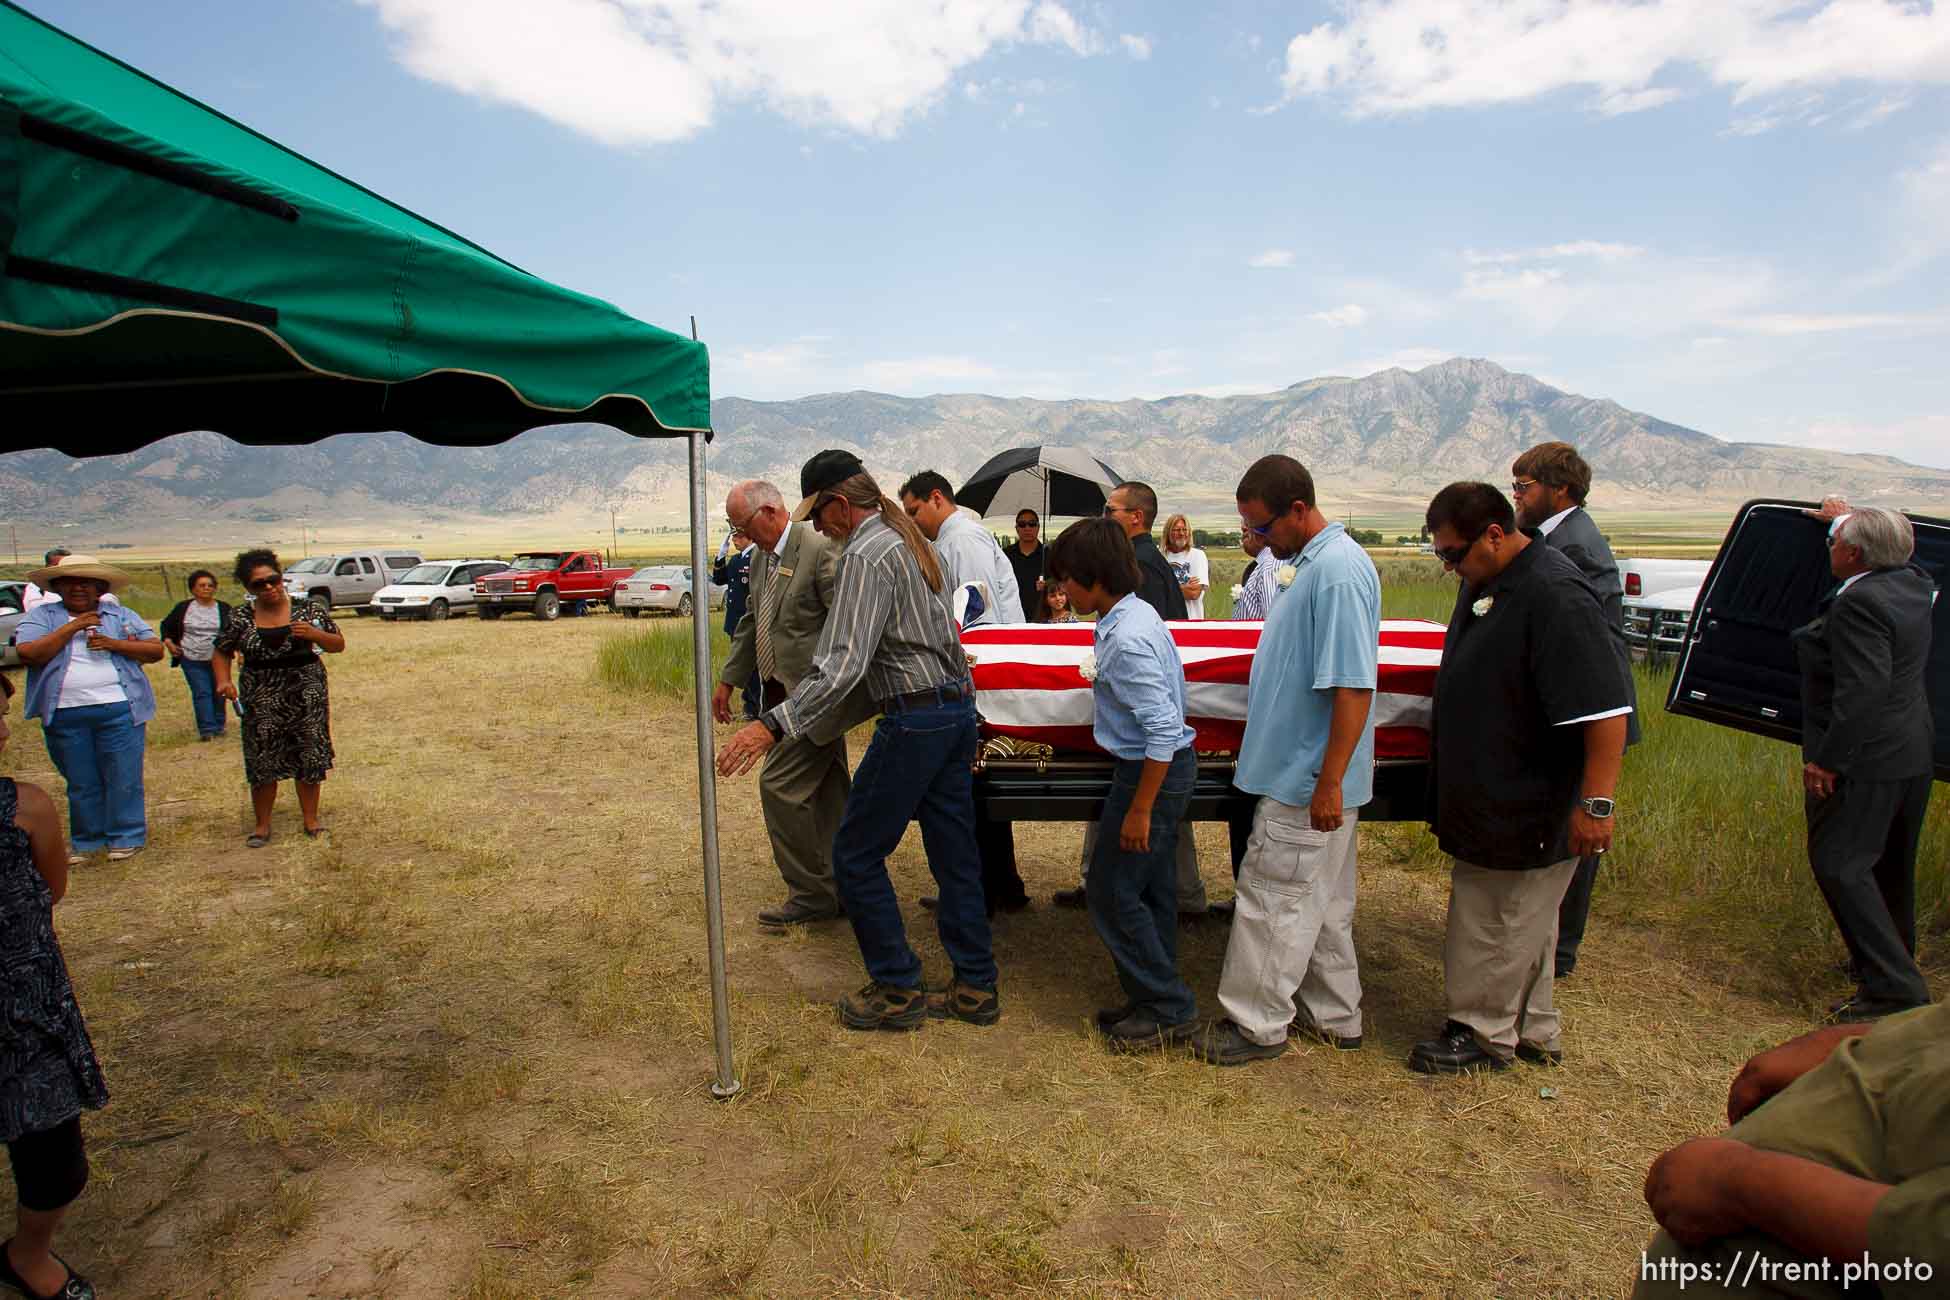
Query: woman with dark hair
(48,1071)
(189,633)
(281,691)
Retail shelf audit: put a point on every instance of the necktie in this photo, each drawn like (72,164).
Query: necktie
(768,601)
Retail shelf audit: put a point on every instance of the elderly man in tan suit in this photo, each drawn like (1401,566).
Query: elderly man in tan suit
(804,784)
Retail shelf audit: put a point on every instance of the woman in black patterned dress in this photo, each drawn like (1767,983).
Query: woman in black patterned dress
(48,1071)
(287,714)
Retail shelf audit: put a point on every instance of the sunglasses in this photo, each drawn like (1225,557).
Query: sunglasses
(1521,485)
(1454,555)
(1031,523)
(265,584)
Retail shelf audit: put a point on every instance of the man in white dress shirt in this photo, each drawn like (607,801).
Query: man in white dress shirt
(969,552)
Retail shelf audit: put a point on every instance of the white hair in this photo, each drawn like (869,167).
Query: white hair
(758,494)
(1884,537)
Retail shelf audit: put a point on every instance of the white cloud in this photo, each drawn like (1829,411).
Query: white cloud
(1781,324)
(1138,47)
(1618,289)
(1345,316)
(1271,259)
(631,72)
(1591,248)
(1391,56)
(930,374)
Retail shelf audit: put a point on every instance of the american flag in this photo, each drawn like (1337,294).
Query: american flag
(1027,684)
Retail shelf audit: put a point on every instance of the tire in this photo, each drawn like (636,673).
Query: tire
(322,598)
(633,612)
(489,613)
(685,605)
(363,611)
(437,611)
(548,606)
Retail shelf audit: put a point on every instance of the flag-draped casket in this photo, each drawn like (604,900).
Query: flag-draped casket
(1028,684)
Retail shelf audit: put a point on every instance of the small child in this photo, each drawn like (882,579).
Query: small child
(1139,686)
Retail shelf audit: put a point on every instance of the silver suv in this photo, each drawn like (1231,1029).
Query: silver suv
(349,578)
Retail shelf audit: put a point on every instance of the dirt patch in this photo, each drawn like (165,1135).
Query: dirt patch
(378,1230)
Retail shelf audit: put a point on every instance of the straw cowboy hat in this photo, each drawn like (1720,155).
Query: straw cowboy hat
(81,566)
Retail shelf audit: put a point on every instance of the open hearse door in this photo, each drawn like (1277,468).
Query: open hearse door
(1738,667)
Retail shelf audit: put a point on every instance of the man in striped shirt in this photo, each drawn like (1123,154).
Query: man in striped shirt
(890,627)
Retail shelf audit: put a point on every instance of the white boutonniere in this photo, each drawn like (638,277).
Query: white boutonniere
(1285,575)
(1481,606)
(1087,666)
(1237,591)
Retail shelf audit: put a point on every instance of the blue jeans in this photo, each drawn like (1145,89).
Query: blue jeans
(1133,897)
(918,766)
(98,751)
(203,696)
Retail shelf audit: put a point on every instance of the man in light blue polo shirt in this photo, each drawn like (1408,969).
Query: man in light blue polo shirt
(1308,754)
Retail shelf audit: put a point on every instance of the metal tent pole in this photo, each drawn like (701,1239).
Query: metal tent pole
(726,1085)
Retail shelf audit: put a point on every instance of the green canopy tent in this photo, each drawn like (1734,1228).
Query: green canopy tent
(167,269)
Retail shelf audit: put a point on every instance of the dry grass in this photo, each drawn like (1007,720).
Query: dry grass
(463,1049)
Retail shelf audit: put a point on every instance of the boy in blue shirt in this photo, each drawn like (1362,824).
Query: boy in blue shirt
(1139,688)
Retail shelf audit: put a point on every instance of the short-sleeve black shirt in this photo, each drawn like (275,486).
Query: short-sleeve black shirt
(1507,776)
(1028,568)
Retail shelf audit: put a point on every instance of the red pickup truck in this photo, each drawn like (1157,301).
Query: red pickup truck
(544,581)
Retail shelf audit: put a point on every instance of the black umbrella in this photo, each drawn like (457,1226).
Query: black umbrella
(1048,480)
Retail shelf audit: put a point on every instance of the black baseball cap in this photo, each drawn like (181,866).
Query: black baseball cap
(827,470)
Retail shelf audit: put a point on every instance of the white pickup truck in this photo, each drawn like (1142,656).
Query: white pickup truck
(1659,597)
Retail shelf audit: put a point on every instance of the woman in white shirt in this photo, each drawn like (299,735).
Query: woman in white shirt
(1188,565)
(85,683)
(189,633)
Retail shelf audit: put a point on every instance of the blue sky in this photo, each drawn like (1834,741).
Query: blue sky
(1731,214)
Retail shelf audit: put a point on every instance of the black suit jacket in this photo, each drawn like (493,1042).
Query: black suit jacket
(1865,712)
(1577,536)
(1156,585)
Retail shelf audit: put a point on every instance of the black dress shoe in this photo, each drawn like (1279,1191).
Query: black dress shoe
(1532,1054)
(1138,1032)
(1223,1043)
(797,914)
(1859,1010)
(1108,1016)
(1070,897)
(1303,1025)
(1453,1051)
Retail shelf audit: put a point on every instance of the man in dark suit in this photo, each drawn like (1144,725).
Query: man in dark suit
(1867,745)
(732,571)
(1549,484)
(804,783)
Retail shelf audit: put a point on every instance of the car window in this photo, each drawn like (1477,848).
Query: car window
(401,561)
(367,565)
(348,569)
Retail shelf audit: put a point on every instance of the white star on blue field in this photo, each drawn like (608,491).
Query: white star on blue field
(1734,215)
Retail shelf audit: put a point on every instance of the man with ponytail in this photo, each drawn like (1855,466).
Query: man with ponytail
(890,628)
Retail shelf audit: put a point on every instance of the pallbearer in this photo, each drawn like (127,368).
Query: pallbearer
(890,628)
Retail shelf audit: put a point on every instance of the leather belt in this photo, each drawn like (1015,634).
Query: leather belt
(934,695)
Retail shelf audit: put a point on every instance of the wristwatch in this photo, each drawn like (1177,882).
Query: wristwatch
(772,725)
(1598,806)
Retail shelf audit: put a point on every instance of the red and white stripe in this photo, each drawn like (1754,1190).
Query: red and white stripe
(1027,684)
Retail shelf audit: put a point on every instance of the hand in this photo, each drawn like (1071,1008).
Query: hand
(1589,834)
(744,749)
(80,623)
(1134,836)
(1690,1189)
(1818,780)
(226,690)
(1833,506)
(1325,812)
(721,703)
(175,650)
(303,631)
(1777,1067)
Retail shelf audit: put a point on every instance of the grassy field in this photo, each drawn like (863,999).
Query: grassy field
(462,1046)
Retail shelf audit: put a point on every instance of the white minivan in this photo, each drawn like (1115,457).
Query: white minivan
(435,589)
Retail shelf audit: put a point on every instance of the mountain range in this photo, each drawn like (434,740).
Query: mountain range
(1386,439)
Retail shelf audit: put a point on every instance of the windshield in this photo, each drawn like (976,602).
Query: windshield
(317,564)
(537,563)
(665,572)
(424,575)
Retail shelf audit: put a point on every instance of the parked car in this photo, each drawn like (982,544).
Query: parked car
(435,589)
(1738,667)
(349,579)
(660,589)
(13,604)
(1659,597)
(545,581)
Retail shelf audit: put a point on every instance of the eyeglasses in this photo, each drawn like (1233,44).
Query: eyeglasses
(265,584)
(737,527)
(1454,555)
(1521,485)
(1111,511)
(1028,523)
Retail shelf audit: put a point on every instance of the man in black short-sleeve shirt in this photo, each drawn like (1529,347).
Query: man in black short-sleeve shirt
(1528,730)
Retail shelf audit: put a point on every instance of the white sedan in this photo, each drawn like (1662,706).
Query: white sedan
(434,590)
(660,589)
